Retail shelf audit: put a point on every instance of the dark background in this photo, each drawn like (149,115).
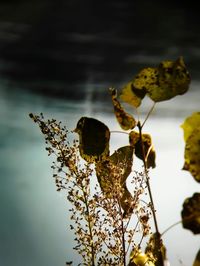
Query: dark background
(54,46)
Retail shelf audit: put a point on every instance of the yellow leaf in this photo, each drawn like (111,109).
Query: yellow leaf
(191,128)
(146,79)
(191,123)
(161,83)
(172,79)
(125,120)
(132,95)
(192,154)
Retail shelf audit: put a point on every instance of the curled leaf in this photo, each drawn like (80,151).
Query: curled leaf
(132,95)
(125,120)
(94,139)
(191,213)
(149,153)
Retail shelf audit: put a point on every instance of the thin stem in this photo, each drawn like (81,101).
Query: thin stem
(144,158)
(117,131)
(192,216)
(122,230)
(123,242)
(141,241)
(132,236)
(147,178)
(170,227)
(85,200)
(89,224)
(149,113)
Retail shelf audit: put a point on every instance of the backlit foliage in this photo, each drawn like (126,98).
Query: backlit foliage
(125,120)
(101,219)
(191,128)
(191,213)
(191,206)
(112,206)
(143,148)
(162,83)
(94,139)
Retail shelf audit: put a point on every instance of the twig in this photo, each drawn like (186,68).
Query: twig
(147,178)
(149,113)
(170,227)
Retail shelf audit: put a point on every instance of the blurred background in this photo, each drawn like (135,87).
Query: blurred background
(60,57)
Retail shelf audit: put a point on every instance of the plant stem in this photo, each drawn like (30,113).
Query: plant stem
(170,227)
(157,233)
(122,230)
(147,178)
(123,243)
(89,224)
(118,131)
(150,111)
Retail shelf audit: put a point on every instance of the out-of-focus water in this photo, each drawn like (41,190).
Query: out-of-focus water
(34,224)
(46,44)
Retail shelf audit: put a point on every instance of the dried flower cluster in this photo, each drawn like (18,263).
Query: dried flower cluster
(109,224)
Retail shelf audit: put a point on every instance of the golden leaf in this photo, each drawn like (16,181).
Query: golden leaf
(169,79)
(172,79)
(192,122)
(192,154)
(125,120)
(132,95)
(191,128)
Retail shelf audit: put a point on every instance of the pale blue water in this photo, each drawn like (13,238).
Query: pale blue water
(34,225)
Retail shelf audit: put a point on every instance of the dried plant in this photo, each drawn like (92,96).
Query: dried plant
(112,206)
(100,219)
